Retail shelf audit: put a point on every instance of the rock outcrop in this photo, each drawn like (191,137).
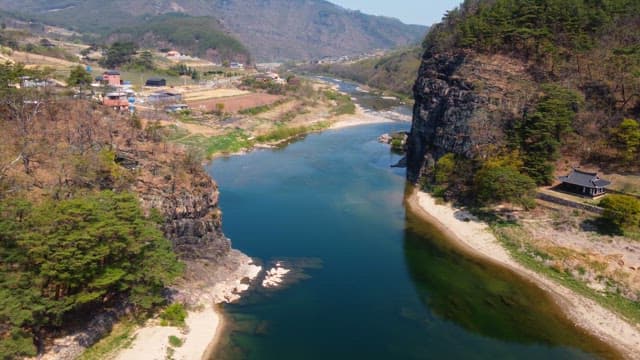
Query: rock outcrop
(185,196)
(463,104)
(193,220)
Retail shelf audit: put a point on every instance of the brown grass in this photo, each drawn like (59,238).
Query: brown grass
(235,103)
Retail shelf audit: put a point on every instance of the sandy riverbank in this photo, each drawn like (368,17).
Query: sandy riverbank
(361,117)
(204,323)
(475,238)
(152,342)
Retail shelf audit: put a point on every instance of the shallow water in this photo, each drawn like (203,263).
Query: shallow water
(375,282)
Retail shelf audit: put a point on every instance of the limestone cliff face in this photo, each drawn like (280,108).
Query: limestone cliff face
(463,104)
(187,199)
(192,219)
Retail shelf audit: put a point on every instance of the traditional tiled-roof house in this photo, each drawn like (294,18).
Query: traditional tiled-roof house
(584,183)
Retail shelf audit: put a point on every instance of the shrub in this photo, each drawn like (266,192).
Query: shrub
(623,211)
(174,314)
(175,341)
(498,184)
(444,168)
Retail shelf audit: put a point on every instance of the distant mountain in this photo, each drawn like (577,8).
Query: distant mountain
(200,36)
(271,29)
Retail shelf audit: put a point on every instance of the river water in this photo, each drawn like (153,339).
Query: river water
(373,281)
(370,280)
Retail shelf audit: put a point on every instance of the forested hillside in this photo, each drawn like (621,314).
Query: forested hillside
(394,72)
(271,30)
(199,36)
(532,85)
(93,214)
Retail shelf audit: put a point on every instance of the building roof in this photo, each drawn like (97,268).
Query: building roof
(116,94)
(586,179)
(112,72)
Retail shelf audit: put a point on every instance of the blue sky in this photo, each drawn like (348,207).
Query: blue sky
(424,12)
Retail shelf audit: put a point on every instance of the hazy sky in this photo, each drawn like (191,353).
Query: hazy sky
(424,12)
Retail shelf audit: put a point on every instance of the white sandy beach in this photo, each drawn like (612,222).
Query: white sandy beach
(203,326)
(361,117)
(151,342)
(476,238)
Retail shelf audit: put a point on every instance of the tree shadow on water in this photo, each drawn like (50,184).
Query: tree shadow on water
(485,299)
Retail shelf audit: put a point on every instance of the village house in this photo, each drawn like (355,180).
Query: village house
(270,77)
(116,100)
(584,183)
(164,97)
(112,77)
(156,82)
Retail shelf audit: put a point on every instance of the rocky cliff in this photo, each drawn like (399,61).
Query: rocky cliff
(193,220)
(464,101)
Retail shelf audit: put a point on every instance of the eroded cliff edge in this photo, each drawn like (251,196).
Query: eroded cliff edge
(464,101)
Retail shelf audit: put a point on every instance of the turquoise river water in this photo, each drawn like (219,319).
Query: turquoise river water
(370,280)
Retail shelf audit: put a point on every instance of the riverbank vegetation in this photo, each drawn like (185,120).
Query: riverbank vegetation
(582,272)
(64,257)
(303,107)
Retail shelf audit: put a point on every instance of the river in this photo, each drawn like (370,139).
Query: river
(370,281)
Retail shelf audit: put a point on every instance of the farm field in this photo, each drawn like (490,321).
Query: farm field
(197,94)
(235,104)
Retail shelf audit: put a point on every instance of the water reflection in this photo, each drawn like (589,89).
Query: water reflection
(486,299)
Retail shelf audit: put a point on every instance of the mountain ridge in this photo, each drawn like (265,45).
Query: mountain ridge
(272,30)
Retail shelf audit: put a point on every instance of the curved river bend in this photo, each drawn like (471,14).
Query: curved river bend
(374,282)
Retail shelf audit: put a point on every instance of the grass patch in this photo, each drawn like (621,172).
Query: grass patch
(512,238)
(262,108)
(255,110)
(230,142)
(175,341)
(121,337)
(284,132)
(173,315)
(344,104)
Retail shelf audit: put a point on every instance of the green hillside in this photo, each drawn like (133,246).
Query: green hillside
(199,36)
(394,72)
(590,46)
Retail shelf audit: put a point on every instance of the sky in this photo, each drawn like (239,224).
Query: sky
(423,12)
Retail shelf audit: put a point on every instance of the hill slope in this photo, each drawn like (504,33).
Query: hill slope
(546,80)
(394,72)
(200,36)
(273,30)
